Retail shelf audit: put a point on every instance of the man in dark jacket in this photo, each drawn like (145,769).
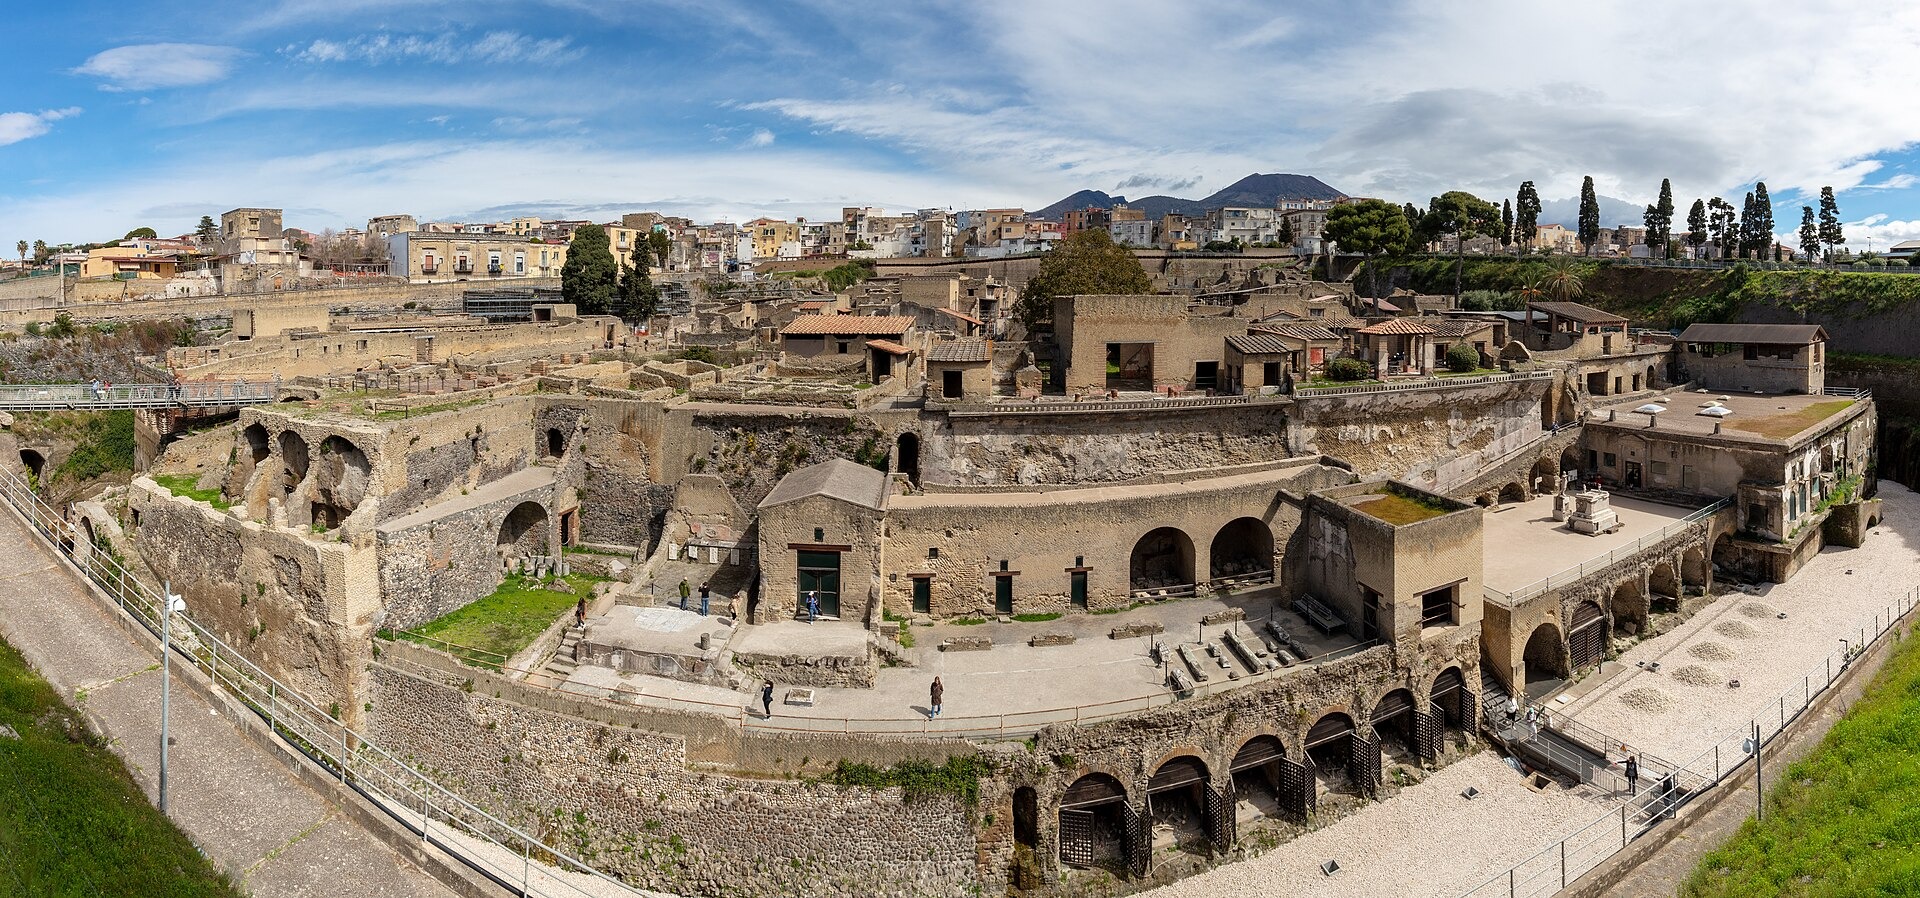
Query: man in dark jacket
(934,694)
(766,698)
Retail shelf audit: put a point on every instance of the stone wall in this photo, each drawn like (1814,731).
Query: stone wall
(1421,436)
(624,800)
(445,556)
(355,299)
(1097,447)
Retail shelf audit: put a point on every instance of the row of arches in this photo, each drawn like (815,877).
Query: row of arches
(1551,655)
(1164,557)
(1186,806)
(338,475)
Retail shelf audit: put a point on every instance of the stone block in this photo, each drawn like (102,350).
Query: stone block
(1225,616)
(1137,628)
(800,697)
(1045,639)
(966,644)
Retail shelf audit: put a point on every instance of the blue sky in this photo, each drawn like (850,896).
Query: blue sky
(121,115)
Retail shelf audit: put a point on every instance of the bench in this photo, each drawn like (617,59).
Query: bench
(1318,614)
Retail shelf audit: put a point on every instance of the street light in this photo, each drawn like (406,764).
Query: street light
(170,605)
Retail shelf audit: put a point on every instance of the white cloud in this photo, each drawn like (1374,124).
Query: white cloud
(760,138)
(494,47)
(19,126)
(149,66)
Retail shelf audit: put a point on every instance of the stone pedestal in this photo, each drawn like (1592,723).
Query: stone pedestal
(1592,512)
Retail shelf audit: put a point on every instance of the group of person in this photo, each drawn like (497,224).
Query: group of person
(706,596)
(936,693)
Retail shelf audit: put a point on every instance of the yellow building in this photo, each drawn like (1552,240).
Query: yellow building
(422,256)
(137,261)
(770,234)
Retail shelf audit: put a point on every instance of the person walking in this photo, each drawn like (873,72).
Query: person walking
(580,614)
(685,590)
(1633,775)
(934,694)
(705,592)
(813,605)
(766,699)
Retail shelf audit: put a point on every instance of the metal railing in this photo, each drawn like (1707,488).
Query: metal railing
(191,394)
(1427,383)
(486,844)
(1848,392)
(1561,863)
(1053,404)
(1573,574)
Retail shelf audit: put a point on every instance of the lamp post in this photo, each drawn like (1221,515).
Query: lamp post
(170,604)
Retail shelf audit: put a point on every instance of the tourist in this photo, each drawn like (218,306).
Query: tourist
(580,613)
(704,591)
(1633,775)
(766,699)
(934,694)
(685,590)
(813,605)
(1513,709)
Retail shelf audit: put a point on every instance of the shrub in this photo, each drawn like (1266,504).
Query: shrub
(1462,357)
(1896,263)
(1348,369)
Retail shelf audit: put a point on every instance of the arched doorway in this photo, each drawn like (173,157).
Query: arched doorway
(1727,560)
(1177,806)
(556,443)
(36,464)
(293,460)
(1161,560)
(1569,463)
(1393,723)
(1546,476)
(906,457)
(1693,569)
(1331,743)
(1243,548)
(258,447)
(1260,780)
(1663,588)
(1629,608)
(1093,823)
(1545,659)
(1587,637)
(1449,700)
(524,532)
(1513,492)
(340,481)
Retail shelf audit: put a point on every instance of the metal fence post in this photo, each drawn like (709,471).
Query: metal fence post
(1563,863)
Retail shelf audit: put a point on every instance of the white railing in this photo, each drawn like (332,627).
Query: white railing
(1561,863)
(1573,574)
(1848,392)
(192,394)
(486,844)
(1430,383)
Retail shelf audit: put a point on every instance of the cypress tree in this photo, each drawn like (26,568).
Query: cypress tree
(590,278)
(1663,213)
(1762,221)
(1830,232)
(1589,215)
(1506,222)
(639,298)
(1526,217)
(1745,228)
(1697,226)
(1809,234)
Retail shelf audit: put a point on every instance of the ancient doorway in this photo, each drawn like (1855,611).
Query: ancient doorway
(524,531)
(1587,638)
(1177,805)
(1093,823)
(1161,560)
(35,463)
(1393,723)
(819,575)
(906,457)
(1330,743)
(1130,366)
(556,443)
(1242,548)
(1545,659)
(1256,777)
(1448,699)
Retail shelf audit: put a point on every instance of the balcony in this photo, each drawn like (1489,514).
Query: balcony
(429,269)
(463,269)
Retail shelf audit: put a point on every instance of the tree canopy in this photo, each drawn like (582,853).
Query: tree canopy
(1086,263)
(1589,231)
(137,233)
(590,277)
(661,245)
(1463,216)
(1368,227)
(639,298)
(1830,231)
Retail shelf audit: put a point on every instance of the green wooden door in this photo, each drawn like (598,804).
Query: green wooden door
(922,595)
(1078,590)
(819,573)
(1003,595)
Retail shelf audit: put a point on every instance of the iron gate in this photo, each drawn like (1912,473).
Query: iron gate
(1076,837)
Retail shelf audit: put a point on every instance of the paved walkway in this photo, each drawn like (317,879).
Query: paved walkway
(242,807)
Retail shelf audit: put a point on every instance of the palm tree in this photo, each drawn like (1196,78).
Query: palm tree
(1530,292)
(1562,280)
(22,248)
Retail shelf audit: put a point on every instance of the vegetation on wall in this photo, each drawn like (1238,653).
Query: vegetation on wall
(917,780)
(103,444)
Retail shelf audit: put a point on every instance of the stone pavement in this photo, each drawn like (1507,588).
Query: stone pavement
(242,807)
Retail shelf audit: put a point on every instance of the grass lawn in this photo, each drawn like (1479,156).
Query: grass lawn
(1787,424)
(1397,509)
(72,821)
(183,485)
(1845,820)
(507,621)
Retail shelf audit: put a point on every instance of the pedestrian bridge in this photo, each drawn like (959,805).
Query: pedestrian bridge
(86,397)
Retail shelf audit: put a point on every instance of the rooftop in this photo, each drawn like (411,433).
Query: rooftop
(835,479)
(961,351)
(1796,334)
(1577,312)
(1396,326)
(1773,417)
(849,325)
(1525,545)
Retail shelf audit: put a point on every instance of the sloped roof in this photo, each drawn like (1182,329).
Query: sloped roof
(1302,331)
(1797,334)
(848,325)
(1577,312)
(1257,343)
(960,315)
(889,347)
(961,351)
(1396,326)
(1455,327)
(837,478)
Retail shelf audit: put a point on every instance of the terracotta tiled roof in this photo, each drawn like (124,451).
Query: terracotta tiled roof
(1396,326)
(1303,331)
(1455,327)
(961,351)
(848,325)
(889,347)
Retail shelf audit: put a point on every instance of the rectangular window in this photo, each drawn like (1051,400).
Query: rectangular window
(1369,613)
(519,263)
(1608,459)
(1206,375)
(1436,608)
(1752,352)
(1270,374)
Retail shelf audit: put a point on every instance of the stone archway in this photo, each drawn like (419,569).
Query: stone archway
(1242,548)
(524,532)
(1694,572)
(34,461)
(294,460)
(1094,819)
(1177,803)
(1628,607)
(1587,636)
(1546,476)
(1663,588)
(1260,776)
(1393,722)
(1545,658)
(1161,560)
(340,480)
(1513,492)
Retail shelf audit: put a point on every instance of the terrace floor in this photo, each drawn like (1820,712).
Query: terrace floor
(1524,544)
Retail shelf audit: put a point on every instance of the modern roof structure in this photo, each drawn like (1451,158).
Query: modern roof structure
(961,351)
(1258,343)
(1794,334)
(838,478)
(1573,311)
(1396,326)
(1455,327)
(848,325)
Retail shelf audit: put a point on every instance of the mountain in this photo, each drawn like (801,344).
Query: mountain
(1255,190)
(1613,213)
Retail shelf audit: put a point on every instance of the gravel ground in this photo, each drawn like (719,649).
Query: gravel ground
(1426,842)
(1688,706)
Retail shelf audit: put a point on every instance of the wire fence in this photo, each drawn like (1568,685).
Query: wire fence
(1662,792)
(486,844)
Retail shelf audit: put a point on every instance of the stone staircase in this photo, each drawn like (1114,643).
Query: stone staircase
(562,664)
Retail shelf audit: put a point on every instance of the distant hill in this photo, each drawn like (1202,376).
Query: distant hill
(1255,190)
(1613,213)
